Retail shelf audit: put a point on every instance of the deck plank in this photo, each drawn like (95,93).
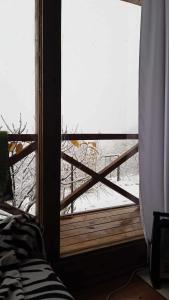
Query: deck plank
(98,227)
(101,213)
(88,231)
(99,234)
(96,222)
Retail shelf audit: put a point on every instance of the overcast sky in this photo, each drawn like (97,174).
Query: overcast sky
(17,55)
(100,55)
(100,50)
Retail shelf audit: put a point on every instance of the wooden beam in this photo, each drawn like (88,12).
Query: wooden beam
(22,137)
(120,160)
(91,182)
(99,177)
(136,2)
(11,209)
(99,136)
(25,152)
(49,123)
(76,136)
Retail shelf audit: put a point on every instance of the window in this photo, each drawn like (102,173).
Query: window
(100,55)
(100,59)
(17,93)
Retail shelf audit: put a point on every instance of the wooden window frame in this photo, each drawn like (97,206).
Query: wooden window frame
(48,119)
(48,112)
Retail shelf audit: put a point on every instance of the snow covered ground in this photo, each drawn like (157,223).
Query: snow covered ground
(105,197)
(101,197)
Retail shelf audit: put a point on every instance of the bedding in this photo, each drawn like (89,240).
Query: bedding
(24,271)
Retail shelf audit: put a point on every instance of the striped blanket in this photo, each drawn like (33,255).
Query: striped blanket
(24,271)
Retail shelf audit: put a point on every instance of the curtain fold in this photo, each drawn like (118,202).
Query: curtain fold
(154,110)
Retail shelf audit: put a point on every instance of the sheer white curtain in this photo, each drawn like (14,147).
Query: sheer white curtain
(154,110)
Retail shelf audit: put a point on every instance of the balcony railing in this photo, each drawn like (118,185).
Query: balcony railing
(17,157)
(31,145)
(27,150)
(101,175)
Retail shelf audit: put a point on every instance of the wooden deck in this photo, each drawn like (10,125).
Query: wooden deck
(92,230)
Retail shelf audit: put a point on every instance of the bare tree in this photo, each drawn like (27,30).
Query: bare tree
(23,172)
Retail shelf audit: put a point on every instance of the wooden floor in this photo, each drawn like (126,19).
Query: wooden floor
(92,230)
(136,290)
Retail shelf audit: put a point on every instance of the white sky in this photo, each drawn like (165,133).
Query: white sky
(100,50)
(17,54)
(100,55)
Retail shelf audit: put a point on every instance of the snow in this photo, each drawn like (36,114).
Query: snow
(104,197)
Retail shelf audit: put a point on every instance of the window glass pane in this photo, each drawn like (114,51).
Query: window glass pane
(98,155)
(17,62)
(100,62)
(100,51)
(17,93)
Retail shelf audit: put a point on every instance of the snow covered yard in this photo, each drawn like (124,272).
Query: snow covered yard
(104,197)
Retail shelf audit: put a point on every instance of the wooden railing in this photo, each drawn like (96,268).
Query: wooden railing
(32,138)
(100,176)
(95,177)
(27,150)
